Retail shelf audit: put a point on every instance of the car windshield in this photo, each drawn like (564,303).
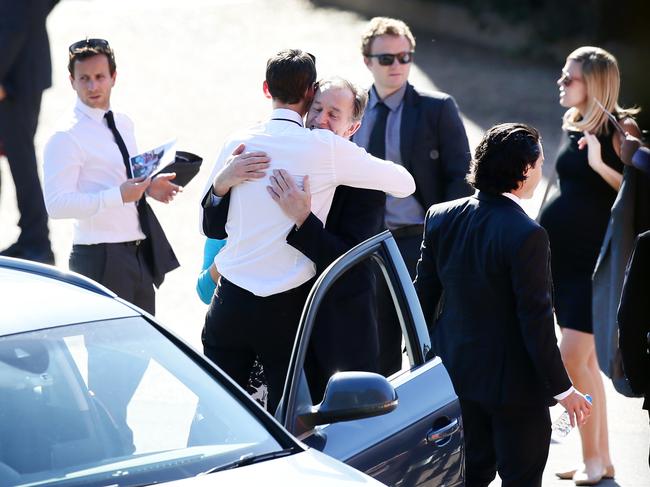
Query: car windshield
(115,403)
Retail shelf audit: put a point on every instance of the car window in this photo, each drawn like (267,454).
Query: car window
(359,326)
(89,403)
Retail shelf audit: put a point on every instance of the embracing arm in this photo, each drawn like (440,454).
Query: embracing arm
(229,171)
(360,218)
(363,216)
(357,168)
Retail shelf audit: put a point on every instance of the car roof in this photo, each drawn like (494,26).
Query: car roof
(36,296)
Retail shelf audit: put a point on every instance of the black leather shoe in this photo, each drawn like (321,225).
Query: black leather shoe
(45,256)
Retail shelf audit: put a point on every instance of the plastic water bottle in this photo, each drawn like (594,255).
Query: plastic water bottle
(561,427)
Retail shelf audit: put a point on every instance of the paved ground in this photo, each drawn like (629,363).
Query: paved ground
(194,70)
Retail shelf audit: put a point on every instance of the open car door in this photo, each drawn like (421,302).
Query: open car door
(405,429)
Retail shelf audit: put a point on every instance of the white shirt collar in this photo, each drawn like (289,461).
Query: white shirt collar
(514,198)
(96,114)
(285,113)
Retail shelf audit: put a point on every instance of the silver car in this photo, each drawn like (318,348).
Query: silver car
(94,392)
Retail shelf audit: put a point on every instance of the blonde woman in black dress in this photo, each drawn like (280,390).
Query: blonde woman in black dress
(590,175)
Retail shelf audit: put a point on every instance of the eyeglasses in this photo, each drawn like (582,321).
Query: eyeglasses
(566,79)
(88,43)
(389,59)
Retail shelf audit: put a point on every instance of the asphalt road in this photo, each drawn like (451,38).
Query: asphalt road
(194,70)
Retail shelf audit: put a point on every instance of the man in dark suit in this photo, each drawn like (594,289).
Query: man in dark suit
(423,132)
(25,72)
(485,288)
(345,335)
(634,320)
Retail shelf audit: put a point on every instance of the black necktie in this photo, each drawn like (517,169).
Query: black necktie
(110,121)
(377,142)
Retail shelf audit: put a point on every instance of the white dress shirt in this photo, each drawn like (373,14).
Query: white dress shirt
(566,393)
(257,256)
(83,170)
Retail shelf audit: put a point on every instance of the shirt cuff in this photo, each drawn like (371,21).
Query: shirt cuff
(211,200)
(566,393)
(112,198)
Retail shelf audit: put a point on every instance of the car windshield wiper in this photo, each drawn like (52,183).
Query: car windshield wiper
(249,459)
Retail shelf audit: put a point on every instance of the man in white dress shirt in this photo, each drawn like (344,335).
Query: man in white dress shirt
(86,179)
(265,280)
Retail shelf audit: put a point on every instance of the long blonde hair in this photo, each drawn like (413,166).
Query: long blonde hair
(602,80)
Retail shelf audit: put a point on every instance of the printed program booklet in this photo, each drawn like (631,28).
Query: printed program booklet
(150,162)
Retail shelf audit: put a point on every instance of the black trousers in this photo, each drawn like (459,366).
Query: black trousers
(240,326)
(18,122)
(514,438)
(390,332)
(121,267)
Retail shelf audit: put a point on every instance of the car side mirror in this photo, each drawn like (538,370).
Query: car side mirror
(349,396)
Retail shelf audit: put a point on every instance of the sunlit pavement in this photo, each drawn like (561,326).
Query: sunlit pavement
(194,70)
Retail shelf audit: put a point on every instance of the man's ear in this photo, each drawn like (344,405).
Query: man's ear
(71,81)
(353,128)
(113,78)
(367,61)
(310,93)
(265,89)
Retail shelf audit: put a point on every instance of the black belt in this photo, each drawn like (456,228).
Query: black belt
(408,231)
(131,243)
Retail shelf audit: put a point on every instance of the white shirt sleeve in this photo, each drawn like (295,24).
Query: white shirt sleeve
(63,162)
(355,167)
(566,393)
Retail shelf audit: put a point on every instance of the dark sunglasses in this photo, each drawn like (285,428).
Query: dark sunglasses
(89,43)
(388,59)
(566,80)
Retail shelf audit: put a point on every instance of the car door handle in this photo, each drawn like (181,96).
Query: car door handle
(438,436)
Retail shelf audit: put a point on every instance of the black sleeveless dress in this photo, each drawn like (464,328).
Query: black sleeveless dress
(576,221)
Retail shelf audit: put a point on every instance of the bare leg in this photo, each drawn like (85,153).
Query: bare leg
(576,349)
(603,436)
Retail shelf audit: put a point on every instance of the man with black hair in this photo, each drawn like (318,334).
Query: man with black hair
(485,288)
(264,284)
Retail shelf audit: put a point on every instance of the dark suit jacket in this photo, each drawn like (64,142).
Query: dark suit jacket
(634,319)
(484,284)
(25,65)
(434,146)
(345,334)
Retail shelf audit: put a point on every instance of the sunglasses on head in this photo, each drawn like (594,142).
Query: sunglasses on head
(566,79)
(388,59)
(88,43)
